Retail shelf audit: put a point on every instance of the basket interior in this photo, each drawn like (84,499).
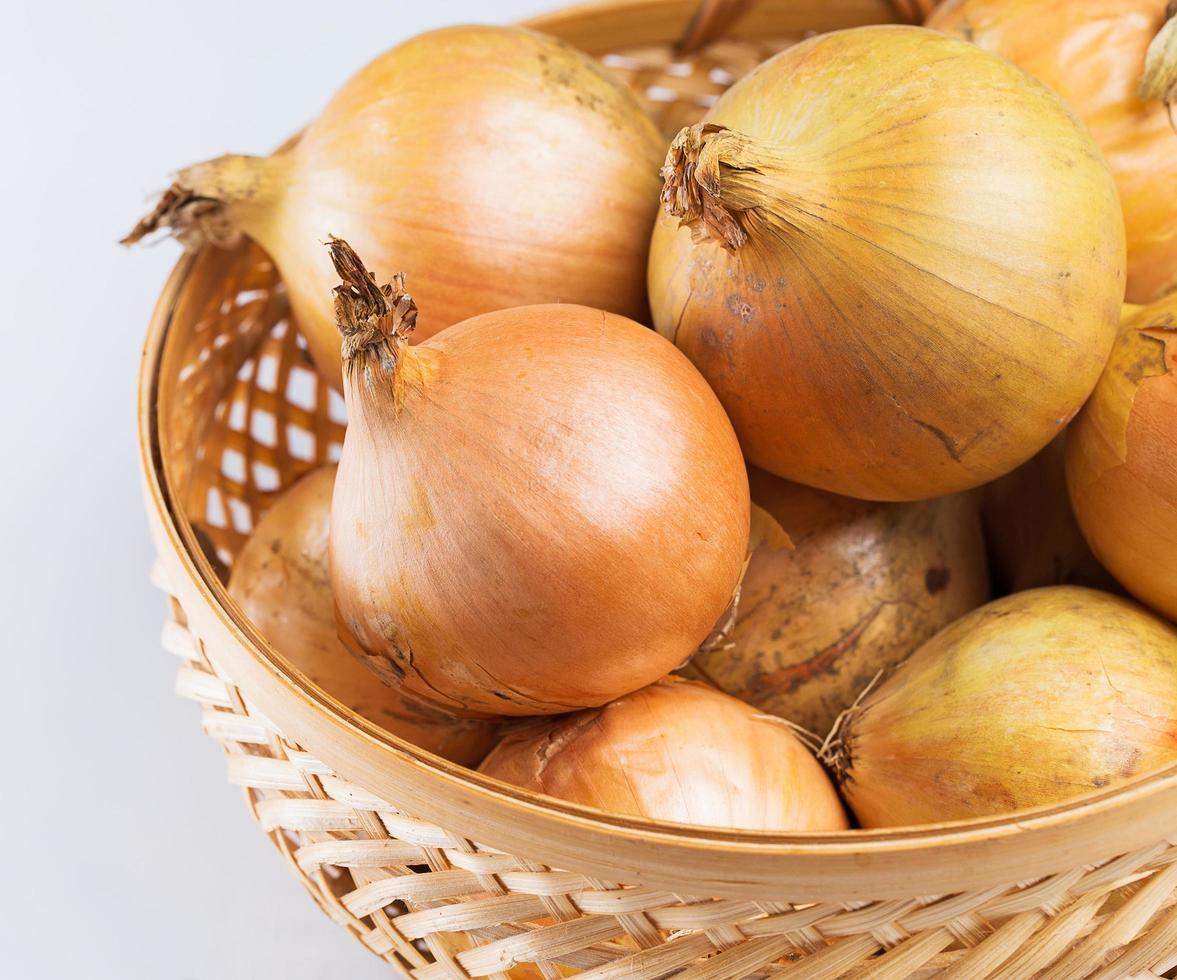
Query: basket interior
(242,413)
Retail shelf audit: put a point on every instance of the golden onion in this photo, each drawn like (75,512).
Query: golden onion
(496,166)
(1029,700)
(897,259)
(1093,53)
(677,751)
(863,586)
(1122,459)
(1031,533)
(537,510)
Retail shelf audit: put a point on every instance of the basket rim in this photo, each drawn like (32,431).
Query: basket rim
(840,866)
(1133,806)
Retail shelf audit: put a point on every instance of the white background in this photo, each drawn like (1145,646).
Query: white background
(125,852)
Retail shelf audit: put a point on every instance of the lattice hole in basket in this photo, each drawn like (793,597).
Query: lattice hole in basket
(273,423)
(677,91)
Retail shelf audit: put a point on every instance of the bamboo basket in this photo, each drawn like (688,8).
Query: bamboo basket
(446,874)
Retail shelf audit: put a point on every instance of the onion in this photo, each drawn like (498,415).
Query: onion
(1092,52)
(1032,536)
(864,586)
(898,260)
(280,581)
(497,166)
(1122,459)
(537,510)
(678,751)
(1029,700)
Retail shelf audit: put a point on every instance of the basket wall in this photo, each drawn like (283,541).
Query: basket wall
(436,904)
(245,415)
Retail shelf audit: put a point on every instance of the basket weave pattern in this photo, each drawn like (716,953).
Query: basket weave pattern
(437,905)
(248,417)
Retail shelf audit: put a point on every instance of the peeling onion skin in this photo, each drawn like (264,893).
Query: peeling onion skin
(1027,701)
(1122,459)
(1092,53)
(933,268)
(676,751)
(496,166)
(865,585)
(1031,533)
(537,510)
(281,582)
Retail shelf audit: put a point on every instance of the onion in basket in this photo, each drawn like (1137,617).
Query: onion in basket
(898,259)
(864,586)
(1122,459)
(1092,52)
(280,581)
(1029,700)
(1031,533)
(497,166)
(537,510)
(676,750)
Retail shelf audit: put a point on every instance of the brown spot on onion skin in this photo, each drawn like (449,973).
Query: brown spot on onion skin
(1030,700)
(280,580)
(676,751)
(936,579)
(850,598)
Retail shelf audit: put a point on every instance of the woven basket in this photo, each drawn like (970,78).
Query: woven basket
(445,874)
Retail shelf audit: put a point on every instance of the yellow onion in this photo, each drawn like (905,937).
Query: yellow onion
(864,585)
(496,166)
(898,260)
(280,581)
(537,510)
(1092,52)
(1029,700)
(1122,459)
(679,751)
(1031,533)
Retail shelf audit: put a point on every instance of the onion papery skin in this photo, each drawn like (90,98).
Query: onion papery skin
(676,751)
(1092,52)
(1031,533)
(1030,700)
(537,510)
(281,582)
(864,586)
(496,166)
(931,267)
(1122,459)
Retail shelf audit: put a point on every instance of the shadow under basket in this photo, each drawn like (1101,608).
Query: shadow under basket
(446,874)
